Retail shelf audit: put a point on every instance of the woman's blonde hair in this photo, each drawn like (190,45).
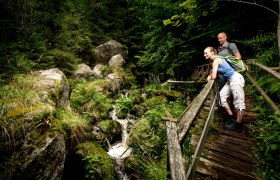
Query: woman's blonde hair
(211,49)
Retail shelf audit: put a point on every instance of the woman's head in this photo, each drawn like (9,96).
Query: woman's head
(209,52)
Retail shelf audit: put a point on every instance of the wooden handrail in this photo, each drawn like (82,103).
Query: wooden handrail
(176,133)
(189,116)
(209,121)
(266,97)
(267,69)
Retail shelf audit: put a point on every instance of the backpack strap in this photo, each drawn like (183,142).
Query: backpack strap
(229,49)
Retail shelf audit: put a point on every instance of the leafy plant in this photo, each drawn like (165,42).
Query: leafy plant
(124,105)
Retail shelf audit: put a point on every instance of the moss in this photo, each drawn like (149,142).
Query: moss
(154,101)
(94,85)
(168,93)
(71,119)
(86,100)
(111,128)
(12,113)
(97,163)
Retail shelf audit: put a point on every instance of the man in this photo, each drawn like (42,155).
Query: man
(226,49)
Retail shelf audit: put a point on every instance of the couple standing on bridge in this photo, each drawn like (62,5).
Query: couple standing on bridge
(233,81)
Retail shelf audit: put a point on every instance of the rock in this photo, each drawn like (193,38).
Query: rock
(116,60)
(97,70)
(83,70)
(42,159)
(56,84)
(115,81)
(104,52)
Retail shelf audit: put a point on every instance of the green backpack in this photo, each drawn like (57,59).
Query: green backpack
(237,64)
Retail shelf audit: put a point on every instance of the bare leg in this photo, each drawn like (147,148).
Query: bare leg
(239,115)
(228,110)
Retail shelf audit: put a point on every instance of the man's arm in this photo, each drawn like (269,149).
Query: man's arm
(235,50)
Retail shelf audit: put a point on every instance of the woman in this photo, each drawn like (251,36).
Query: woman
(235,84)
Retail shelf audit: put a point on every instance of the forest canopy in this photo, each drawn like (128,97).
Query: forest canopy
(163,37)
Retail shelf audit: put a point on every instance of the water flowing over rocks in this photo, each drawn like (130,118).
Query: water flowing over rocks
(119,151)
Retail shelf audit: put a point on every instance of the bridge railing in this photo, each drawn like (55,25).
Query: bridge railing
(177,130)
(269,101)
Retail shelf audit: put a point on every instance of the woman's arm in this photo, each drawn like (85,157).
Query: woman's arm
(215,65)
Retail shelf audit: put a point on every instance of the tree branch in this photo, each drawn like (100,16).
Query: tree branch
(254,3)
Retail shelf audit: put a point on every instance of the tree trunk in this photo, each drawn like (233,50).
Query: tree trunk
(278,34)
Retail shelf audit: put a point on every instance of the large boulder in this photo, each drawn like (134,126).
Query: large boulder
(55,83)
(32,143)
(104,52)
(42,158)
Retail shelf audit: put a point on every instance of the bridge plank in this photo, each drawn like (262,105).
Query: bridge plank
(228,149)
(218,171)
(229,161)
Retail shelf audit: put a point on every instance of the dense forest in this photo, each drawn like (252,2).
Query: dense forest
(165,40)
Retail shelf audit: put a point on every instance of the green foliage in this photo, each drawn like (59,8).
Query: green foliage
(268,140)
(65,61)
(167,53)
(146,168)
(87,100)
(267,82)
(267,127)
(124,105)
(98,164)
(264,47)
(148,139)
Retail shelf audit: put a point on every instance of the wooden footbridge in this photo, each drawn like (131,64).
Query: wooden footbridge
(216,153)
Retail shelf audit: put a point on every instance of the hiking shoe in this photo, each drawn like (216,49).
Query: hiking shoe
(234,127)
(230,121)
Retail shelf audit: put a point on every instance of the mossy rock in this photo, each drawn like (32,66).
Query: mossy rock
(97,163)
(154,101)
(112,129)
(170,94)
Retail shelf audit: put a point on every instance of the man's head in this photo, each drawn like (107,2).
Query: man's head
(222,38)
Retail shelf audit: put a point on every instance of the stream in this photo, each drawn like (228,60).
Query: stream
(119,151)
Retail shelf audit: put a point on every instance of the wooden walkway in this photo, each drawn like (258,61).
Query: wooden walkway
(227,154)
